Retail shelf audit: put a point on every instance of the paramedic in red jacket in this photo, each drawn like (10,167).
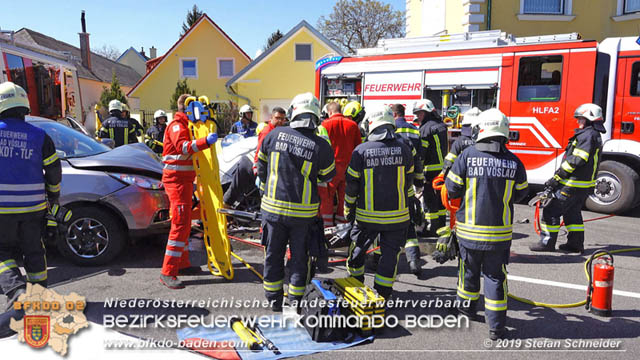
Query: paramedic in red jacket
(178,176)
(344,136)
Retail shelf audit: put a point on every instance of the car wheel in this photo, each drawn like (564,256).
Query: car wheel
(616,188)
(94,237)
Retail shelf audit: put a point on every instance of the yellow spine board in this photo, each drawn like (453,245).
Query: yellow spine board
(363,301)
(209,192)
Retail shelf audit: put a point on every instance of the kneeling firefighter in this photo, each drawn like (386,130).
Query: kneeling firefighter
(291,161)
(488,178)
(376,201)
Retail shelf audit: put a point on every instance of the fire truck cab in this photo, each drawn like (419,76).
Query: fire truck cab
(538,82)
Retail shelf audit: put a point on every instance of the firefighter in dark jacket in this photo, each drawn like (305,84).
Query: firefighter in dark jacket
(154,137)
(433,136)
(463,141)
(30,178)
(573,182)
(488,178)
(291,161)
(411,136)
(122,131)
(379,176)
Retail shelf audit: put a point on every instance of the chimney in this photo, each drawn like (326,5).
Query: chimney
(142,52)
(85,49)
(153,52)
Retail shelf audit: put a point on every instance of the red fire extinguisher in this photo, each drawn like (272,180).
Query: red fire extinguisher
(600,291)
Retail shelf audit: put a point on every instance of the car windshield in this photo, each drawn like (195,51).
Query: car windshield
(70,143)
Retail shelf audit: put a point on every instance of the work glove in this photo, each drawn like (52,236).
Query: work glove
(60,214)
(350,214)
(446,246)
(212,138)
(553,183)
(443,239)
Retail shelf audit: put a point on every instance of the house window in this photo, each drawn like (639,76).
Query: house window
(189,68)
(303,52)
(631,6)
(226,68)
(540,78)
(635,79)
(543,7)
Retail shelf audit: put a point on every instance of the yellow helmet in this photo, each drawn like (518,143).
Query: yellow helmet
(352,109)
(12,96)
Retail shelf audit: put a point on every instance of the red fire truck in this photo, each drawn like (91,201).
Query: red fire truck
(51,82)
(537,82)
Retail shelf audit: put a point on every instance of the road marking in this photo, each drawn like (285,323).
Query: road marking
(568,286)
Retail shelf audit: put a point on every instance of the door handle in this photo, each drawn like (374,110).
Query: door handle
(627,127)
(514,135)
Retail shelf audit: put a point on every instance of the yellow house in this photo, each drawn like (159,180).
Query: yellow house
(593,19)
(205,56)
(286,69)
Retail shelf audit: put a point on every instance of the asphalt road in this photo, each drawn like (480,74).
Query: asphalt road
(532,329)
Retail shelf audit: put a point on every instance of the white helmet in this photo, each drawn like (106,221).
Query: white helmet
(115,105)
(423,105)
(302,104)
(12,96)
(379,115)
(491,123)
(246,108)
(159,113)
(591,112)
(470,116)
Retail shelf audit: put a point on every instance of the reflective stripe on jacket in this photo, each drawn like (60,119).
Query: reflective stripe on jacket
(581,159)
(291,162)
(433,137)
(378,180)
(488,183)
(178,148)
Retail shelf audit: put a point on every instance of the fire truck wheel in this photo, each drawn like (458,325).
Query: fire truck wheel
(616,190)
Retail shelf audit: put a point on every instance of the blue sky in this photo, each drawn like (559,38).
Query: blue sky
(146,23)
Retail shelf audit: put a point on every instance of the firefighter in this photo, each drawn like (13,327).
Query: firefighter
(155,134)
(377,195)
(434,141)
(488,178)
(291,161)
(411,135)
(32,181)
(178,176)
(355,112)
(121,130)
(126,114)
(463,141)
(245,126)
(573,182)
(344,136)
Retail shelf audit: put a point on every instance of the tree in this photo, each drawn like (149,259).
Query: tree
(192,17)
(181,88)
(113,92)
(108,51)
(273,38)
(356,24)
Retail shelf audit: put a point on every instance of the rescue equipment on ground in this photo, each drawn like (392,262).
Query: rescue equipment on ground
(600,272)
(209,190)
(363,302)
(321,299)
(252,336)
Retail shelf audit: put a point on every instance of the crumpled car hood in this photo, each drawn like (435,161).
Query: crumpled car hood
(128,157)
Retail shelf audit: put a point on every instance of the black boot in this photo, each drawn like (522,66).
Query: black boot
(414,268)
(539,247)
(571,248)
(495,334)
